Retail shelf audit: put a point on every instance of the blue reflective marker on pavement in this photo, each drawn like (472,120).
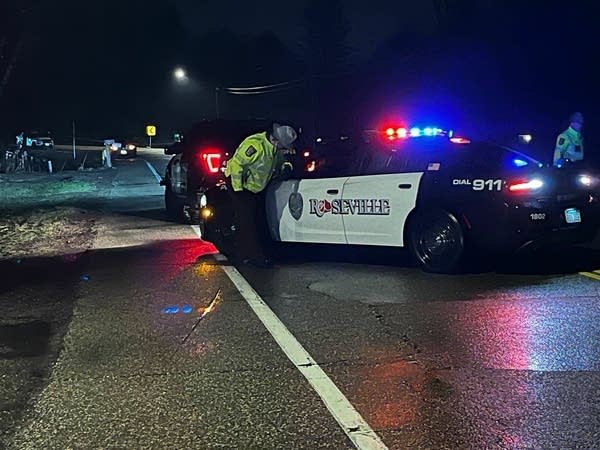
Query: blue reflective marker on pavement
(170,310)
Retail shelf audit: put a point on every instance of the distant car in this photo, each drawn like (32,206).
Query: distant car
(441,196)
(39,143)
(198,162)
(123,149)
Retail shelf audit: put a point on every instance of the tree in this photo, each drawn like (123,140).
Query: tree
(326,54)
(326,50)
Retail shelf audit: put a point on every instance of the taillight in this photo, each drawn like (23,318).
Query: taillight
(211,160)
(526,185)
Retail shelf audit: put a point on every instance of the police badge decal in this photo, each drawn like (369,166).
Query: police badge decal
(296,205)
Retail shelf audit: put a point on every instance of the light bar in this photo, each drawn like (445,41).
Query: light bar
(393,133)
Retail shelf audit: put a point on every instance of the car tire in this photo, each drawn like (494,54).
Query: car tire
(436,241)
(221,228)
(222,238)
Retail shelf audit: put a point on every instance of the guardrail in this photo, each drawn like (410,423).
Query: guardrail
(79,147)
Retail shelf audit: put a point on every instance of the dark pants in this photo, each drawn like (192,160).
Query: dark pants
(250,224)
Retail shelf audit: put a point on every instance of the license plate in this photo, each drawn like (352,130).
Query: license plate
(572,215)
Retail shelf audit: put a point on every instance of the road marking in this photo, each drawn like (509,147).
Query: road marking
(355,427)
(196,229)
(154,172)
(595,276)
(353,424)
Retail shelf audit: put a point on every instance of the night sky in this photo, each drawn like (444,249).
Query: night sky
(373,21)
(487,64)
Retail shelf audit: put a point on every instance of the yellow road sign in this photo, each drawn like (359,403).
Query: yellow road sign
(151,130)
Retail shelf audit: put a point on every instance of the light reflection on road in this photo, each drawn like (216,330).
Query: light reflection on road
(550,335)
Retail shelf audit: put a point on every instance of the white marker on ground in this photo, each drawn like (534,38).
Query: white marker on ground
(153,170)
(356,428)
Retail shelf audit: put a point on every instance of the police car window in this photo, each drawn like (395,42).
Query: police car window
(330,158)
(435,154)
(404,156)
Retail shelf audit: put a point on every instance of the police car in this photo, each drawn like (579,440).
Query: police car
(438,194)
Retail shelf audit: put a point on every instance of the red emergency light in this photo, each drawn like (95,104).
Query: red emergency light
(396,133)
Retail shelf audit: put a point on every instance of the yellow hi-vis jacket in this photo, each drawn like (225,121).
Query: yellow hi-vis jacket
(253,164)
(569,145)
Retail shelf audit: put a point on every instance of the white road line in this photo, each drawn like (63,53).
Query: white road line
(196,229)
(153,170)
(355,427)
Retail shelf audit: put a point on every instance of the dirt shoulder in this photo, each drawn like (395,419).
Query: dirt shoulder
(45,231)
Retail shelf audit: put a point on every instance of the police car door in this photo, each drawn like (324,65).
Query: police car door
(304,210)
(376,204)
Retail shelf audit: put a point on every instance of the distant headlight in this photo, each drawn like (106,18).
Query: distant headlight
(114,147)
(130,147)
(203,201)
(525,138)
(123,152)
(47,144)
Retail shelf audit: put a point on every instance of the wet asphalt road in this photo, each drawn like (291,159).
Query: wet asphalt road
(503,359)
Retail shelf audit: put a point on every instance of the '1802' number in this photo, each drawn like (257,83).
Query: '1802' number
(487,185)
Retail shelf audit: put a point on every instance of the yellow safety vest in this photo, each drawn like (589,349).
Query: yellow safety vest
(252,164)
(569,145)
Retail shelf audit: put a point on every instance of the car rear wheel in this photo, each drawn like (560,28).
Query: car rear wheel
(436,240)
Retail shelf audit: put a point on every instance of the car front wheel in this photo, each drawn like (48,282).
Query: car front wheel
(436,240)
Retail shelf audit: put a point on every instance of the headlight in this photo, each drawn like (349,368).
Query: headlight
(113,147)
(131,147)
(123,152)
(526,186)
(586,180)
(203,201)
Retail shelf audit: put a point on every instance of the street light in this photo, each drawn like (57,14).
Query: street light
(179,74)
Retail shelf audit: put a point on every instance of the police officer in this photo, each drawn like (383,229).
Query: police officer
(569,144)
(256,161)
